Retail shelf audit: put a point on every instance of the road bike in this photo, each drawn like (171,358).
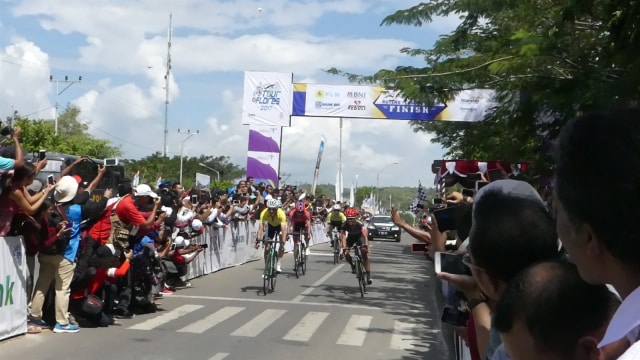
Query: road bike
(358,264)
(299,254)
(335,241)
(271,258)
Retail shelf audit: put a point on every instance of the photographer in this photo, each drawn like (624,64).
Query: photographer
(177,260)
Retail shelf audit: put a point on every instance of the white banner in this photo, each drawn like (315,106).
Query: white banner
(203,181)
(13,296)
(374,102)
(267,99)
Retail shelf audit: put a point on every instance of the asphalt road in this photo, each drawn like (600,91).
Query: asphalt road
(319,315)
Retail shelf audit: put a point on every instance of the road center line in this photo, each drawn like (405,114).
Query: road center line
(273,301)
(308,290)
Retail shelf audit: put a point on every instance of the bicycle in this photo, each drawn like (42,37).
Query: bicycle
(336,246)
(299,255)
(358,264)
(269,275)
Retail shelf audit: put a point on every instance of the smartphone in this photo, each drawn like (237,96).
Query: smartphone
(467,192)
(204,246)
(480,184)
(454,317)
(450,263)
(42,154)
(194,199)
(236,202)
(50,180)
(418,248)
(69,225)
(110,162)
(446,218)
(437,201)
(495,174)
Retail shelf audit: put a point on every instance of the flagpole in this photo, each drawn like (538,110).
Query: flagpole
(340,161)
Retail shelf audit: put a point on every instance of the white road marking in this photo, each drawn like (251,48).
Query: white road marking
(259,323)
(305,329)
(282,302)
(355,331)
(166,317)
(219,356)
(212,320)
(308,290)
(402,338)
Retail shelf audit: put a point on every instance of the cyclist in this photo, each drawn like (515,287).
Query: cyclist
(353,232)
(276,221)
(300,219)
(335,219)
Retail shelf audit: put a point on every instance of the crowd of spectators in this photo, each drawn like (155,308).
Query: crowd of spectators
(554,273)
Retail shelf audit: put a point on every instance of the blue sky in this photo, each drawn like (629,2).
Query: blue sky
(119,49)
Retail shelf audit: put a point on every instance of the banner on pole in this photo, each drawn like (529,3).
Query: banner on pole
(267,98)
(316,171)
(373,102)
(263,167)
(13,296)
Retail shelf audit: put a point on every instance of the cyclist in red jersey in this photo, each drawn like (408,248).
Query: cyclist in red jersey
(300,219)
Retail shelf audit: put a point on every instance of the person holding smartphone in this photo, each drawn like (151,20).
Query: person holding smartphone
(353,232)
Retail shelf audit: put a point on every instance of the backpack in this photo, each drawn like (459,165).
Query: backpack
(119,235)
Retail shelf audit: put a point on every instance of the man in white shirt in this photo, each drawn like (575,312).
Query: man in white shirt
(603,240)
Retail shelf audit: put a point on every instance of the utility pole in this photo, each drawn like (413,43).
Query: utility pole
(167,75)
(58,92)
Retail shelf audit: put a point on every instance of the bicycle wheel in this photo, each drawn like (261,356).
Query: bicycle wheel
(266,275)
(336,253)
(363,278)
(303,259)
(274,273)
(296,254)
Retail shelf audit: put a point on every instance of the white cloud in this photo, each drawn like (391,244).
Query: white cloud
(24,75)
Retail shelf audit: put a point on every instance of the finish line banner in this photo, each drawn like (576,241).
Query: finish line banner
(373,102)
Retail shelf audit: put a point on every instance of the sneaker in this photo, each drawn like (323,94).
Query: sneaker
(278,267)
(307,251)
(166,291)
(369,281)
(120,313)
(38,322)
(69,328)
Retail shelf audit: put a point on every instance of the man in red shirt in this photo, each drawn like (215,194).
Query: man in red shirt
(300,219)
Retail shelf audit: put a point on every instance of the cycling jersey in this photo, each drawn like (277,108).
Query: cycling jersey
(354,231)
(297,217)
(336,217)
(279,219)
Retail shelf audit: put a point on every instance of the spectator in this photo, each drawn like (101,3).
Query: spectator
(603,243)
(7,164)
(549,312)
(511,230)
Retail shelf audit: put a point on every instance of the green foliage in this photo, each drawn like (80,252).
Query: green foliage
(169,168)
(548,61)
(72,136)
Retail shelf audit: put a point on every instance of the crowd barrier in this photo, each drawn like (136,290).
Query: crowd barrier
(13,282)
(461,349)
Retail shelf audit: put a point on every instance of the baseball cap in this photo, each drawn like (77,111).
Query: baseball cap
(145,190)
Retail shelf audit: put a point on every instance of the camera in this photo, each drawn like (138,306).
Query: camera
(6,131)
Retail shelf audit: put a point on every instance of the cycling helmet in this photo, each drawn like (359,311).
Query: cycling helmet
(336,207)
(351,213)
(300,206)
(273,203)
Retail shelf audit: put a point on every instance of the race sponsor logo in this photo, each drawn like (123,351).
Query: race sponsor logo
(357,105)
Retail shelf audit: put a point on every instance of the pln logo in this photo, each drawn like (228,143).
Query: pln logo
(267,94)
(324,94)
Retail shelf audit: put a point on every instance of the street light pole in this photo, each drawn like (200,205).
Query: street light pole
(189,134)
(58,92)
(214,170)
(378,178)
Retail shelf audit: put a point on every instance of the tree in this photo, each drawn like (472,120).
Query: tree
(72,136)
(156,165)
(548,61)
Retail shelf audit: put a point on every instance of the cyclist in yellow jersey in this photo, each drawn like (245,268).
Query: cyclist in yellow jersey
(276,221)
(335,220)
